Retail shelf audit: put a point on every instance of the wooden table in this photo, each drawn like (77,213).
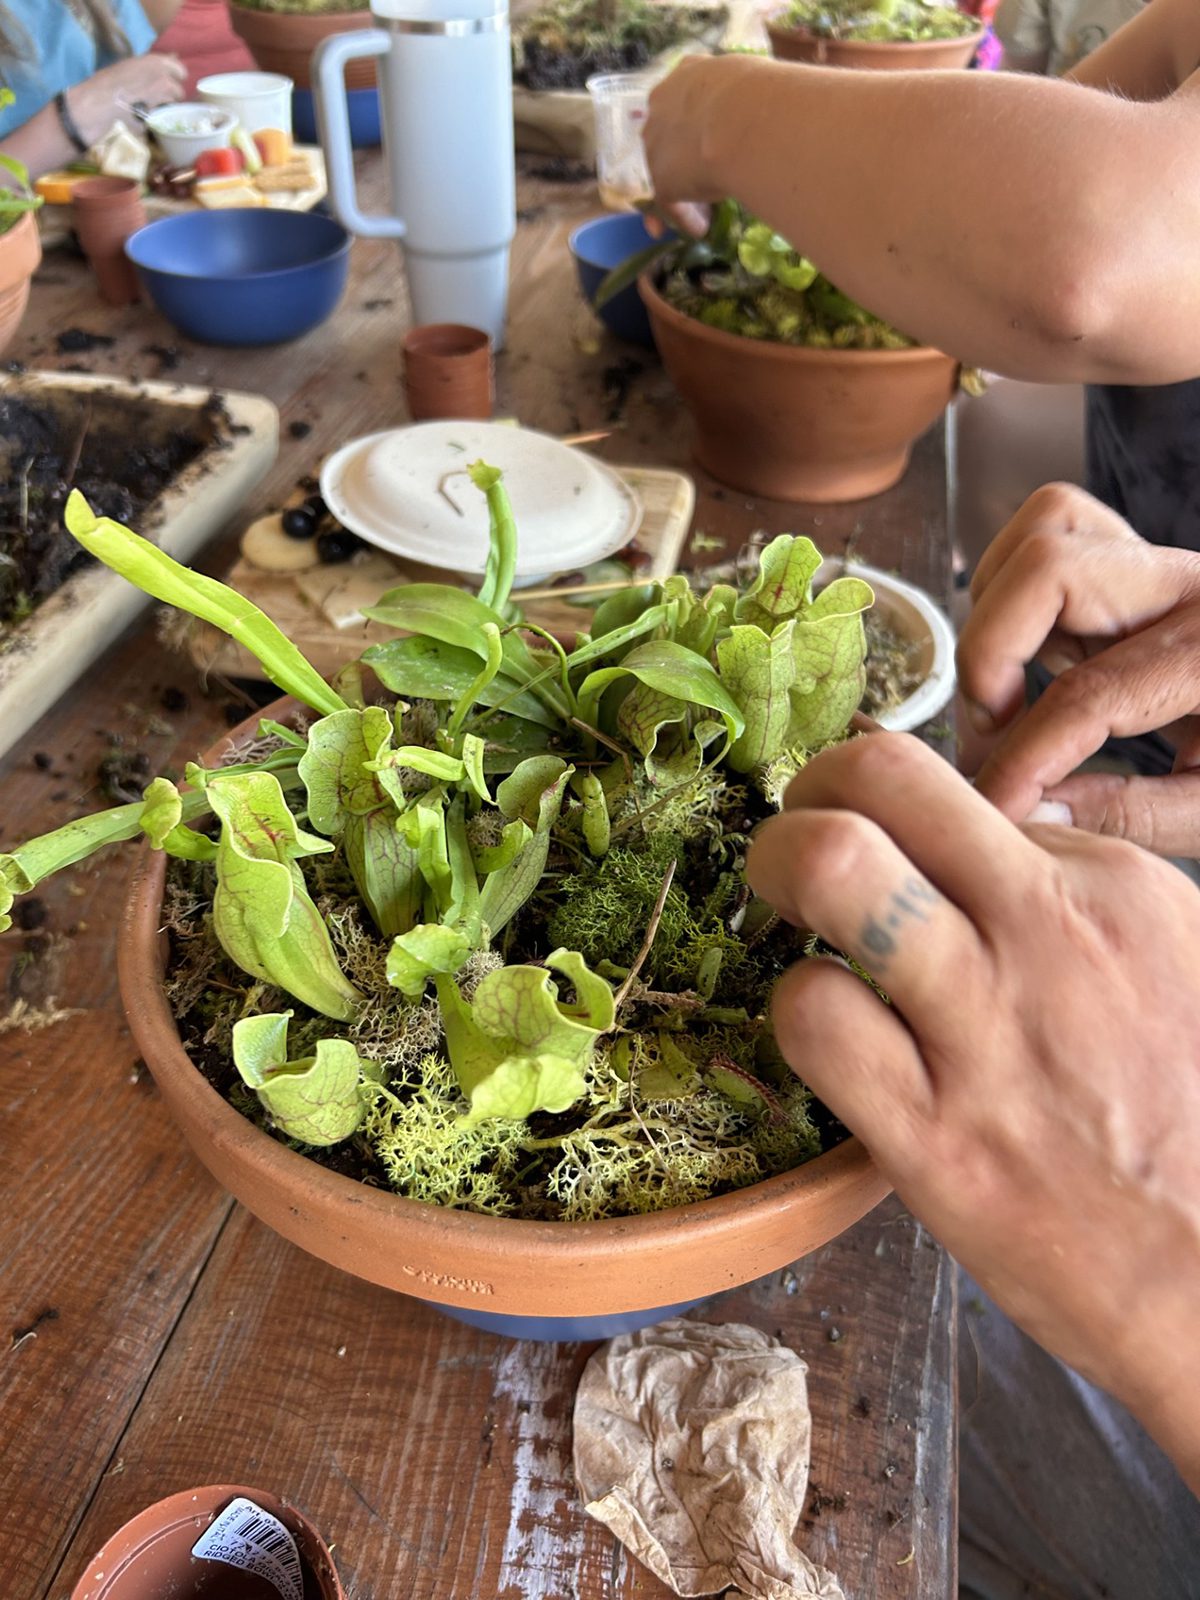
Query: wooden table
(155,1336)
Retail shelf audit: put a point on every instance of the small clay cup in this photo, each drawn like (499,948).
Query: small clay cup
(106,211)
(448,372)
(150,1557)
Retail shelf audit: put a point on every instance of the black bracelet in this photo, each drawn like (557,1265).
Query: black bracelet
(69,126)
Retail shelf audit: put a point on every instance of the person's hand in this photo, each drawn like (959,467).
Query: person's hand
(675,136)
(1069,584)
(1033,1088)
(100,100)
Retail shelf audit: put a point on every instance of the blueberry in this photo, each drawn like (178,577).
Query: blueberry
(337,545)
(317,507)
(299,523)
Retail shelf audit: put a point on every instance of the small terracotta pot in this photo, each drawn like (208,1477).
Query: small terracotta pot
(150,1557)
(457,1259)
(105,212)
(284,41)
(448,372)
(877,55)
(20,253)
(798,424)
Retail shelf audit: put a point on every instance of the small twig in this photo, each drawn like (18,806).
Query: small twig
(23,498)
(651,930)
(607,587)
(72,465)
(587,438)
(609,744)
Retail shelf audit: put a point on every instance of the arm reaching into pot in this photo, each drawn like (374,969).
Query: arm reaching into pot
(1033,1089)
(1019,223)
(1069,584)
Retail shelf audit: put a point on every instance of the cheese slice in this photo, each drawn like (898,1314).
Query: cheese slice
(218,194)
(56,188)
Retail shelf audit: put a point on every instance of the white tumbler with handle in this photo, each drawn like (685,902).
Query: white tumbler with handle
(445,91)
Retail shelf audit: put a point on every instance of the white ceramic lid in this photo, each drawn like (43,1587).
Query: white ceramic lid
(407,491)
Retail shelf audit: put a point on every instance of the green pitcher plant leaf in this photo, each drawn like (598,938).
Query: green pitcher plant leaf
(516,1047)
(156,574)
(22,869)
(262,913)
(533,794)
(429,949)
(161,822)
(429,669)
(318,1100)
(783,586)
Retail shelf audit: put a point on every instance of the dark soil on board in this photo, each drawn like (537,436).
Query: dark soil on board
(120,452)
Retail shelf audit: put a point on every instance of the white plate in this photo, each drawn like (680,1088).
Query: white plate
(407,491)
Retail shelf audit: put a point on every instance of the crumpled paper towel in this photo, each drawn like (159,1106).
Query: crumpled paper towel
(692,1445)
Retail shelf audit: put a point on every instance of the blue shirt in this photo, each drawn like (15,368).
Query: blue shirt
(61,53)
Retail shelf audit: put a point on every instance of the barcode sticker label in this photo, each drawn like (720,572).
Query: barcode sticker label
(246,1536)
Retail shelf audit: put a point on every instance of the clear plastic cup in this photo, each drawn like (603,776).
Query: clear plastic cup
(620,101)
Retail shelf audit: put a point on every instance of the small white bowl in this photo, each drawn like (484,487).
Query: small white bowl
(183,131)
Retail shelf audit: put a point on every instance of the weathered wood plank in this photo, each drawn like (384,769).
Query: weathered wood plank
(438,1460)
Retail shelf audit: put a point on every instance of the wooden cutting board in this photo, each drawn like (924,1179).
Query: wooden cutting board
(320,609)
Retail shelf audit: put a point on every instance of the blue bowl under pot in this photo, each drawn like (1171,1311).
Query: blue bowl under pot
(242,277)
(600,245)
(363,106)
(550,1330)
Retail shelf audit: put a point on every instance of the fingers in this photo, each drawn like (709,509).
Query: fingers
(840,875)
(1063,576)
(936,820)
(855,1054)
(1160,814)
(1133,687)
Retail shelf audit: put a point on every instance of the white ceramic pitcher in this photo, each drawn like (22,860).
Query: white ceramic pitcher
(445,89)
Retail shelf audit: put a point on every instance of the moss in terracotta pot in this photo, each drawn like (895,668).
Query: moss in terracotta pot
(486,940)
(559,46)
(890,34)
(798,392)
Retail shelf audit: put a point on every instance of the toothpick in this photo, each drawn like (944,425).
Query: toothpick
(583,588)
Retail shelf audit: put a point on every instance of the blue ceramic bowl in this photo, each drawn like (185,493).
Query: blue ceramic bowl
(363,106)
(600,245)
(242,277)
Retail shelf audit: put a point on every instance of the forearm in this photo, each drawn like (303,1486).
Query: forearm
(41,143)
(1003,219)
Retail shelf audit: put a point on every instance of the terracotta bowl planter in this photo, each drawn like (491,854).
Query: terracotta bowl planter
(20,253)
(530,1279)
(797,424)
(284,42)
(878,55)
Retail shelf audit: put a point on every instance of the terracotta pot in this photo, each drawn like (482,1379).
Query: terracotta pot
(284,42)
(477,1266)
(797,424)
(150,1557)
(448,372)
(20,253)
(878,55)
(105,211)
